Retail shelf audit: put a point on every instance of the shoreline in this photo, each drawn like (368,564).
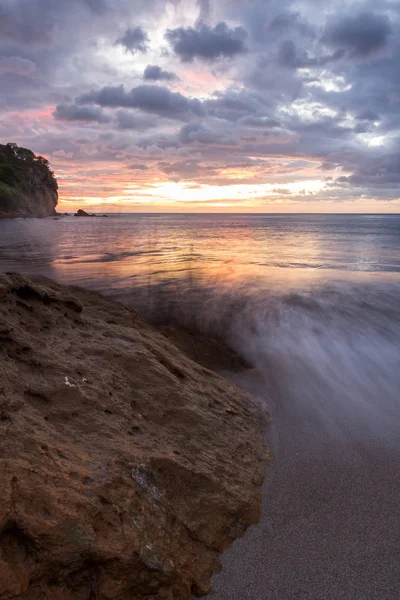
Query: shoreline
(328,526)
(129,462)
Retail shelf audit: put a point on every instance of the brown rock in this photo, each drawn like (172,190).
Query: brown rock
(125,467)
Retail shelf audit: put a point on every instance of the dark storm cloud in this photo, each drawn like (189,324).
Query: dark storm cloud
(156,73)
(149,98)
(134,40)
(359,34)
(206,42)
(72,112)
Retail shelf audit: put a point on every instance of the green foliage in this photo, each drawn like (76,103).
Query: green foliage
(20,152)
(5,190)
(42,161)
(8,174)
(7,194)
(21,168)
(22,175)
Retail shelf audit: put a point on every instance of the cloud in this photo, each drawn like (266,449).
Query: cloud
(204,11)
(328,166)
(25,23)
(295,89)
(156,73)
(62,154)
(72,112)
(16,64)
(289,21)
(34,22)
(138,167)
(206,42)
(290,56)
(367,115)
(149,98)
(360,35)
(134,121)
(197,132)
(187,170)
(251,121)
(281,191)
(134,40)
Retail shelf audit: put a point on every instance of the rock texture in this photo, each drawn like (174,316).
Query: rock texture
(125,467)
(28,187)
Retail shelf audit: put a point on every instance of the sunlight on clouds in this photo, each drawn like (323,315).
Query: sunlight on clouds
(307,110)
(277,119)
(326,81)
(372,140)
(184,192)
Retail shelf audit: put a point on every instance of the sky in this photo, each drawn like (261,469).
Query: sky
(207,105)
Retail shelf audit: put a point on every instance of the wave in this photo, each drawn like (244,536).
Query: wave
(329,353)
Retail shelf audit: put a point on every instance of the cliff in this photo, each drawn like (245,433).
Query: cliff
(125,466)
(28,187)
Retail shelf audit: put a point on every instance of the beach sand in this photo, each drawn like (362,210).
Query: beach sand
(330,516)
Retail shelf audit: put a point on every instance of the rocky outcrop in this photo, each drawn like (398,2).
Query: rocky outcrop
(125,467)
(28,187)
(82,213)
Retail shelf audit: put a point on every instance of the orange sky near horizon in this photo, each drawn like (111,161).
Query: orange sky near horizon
(192,106)
(111,186)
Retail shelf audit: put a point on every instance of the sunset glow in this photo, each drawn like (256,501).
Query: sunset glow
(193,106)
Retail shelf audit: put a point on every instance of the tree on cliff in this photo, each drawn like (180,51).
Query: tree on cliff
(28,187)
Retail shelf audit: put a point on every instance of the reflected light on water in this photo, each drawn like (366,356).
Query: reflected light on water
(119,253)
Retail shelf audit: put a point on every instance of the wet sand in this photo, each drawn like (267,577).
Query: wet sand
(330,525)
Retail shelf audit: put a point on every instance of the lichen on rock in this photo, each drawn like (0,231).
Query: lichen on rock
(125,467)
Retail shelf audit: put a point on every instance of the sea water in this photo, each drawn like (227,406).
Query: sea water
(313,302)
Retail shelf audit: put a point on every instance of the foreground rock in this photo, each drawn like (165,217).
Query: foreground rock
(28,187)
(125,467)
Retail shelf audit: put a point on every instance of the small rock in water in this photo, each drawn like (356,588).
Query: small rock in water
(83,213)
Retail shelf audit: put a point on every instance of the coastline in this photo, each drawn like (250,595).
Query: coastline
(131,466)
(329,520)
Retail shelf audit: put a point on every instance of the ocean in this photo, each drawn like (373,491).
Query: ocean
(313,302)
